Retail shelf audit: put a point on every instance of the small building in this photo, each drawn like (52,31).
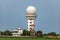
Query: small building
(17,32)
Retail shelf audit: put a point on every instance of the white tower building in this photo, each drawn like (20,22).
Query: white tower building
(31,16)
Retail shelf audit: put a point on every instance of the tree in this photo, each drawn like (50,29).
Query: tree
(2,33)
(7,32)
(24,32)
(52,33)
(28,33)
(39,34)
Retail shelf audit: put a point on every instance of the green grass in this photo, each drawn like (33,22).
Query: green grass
(27,38)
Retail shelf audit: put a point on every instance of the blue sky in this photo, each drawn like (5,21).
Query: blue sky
(12,15)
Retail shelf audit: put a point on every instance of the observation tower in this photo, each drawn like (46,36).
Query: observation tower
(31,16)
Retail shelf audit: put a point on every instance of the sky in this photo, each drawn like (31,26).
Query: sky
(12,15)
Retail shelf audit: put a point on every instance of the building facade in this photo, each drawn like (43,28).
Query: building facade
(17,32)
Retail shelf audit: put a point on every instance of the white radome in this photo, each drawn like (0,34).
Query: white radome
(31,10)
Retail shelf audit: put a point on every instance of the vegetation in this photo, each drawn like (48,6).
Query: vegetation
(51,34)
(38,33)
(24,32)
(6,33)
(28,38)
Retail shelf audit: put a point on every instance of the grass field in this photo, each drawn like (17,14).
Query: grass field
(27,38)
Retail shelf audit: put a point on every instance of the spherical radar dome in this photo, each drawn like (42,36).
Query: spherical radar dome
(31,10)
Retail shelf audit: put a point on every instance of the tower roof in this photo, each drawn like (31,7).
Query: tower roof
(31,10)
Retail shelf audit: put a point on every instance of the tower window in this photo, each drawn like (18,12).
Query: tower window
(32,25)
(30,22)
